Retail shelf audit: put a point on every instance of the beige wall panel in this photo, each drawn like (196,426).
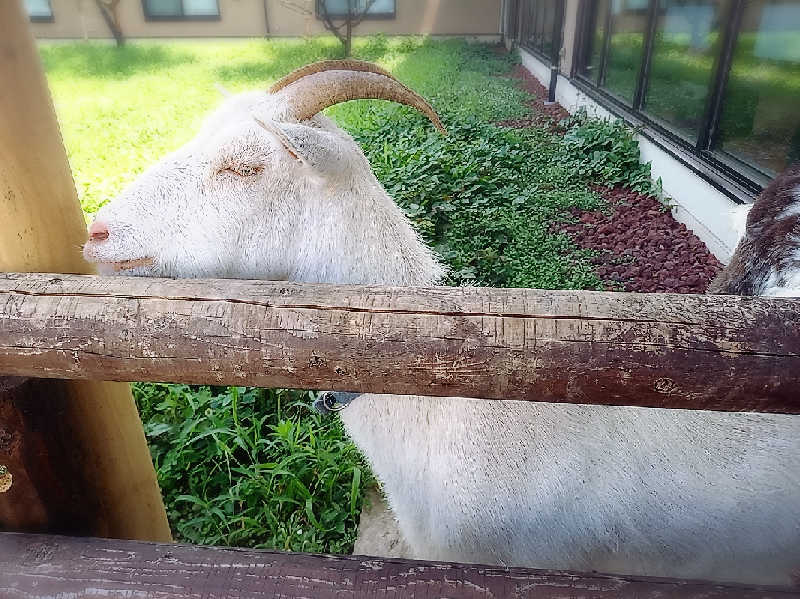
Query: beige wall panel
(245,18)
(570,33)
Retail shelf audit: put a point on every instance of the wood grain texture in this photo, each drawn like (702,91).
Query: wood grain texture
(42,229)
(34,566)
(674,351)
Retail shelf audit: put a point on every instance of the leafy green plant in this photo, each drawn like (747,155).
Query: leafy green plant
(252,467)
(605,152)
(486,198)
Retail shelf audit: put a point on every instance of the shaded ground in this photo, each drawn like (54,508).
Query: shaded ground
(641,247)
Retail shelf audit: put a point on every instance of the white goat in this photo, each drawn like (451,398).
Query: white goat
(270,189)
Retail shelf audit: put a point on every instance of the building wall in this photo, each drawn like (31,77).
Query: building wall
(78,19)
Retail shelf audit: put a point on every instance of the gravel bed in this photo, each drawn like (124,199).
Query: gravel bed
(542,114)
(642,247)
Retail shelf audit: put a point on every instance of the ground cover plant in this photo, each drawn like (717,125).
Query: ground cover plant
(258,468)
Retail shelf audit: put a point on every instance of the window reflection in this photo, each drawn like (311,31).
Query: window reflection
(761,120)
(687,39)
(39,9)
(538,18)
(596,28)
(628,24)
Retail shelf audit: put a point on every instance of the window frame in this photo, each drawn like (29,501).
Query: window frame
(736,177)
(43,18)
(181,17)
(535,27)
(381,16)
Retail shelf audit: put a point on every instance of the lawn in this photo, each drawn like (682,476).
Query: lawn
(258,468)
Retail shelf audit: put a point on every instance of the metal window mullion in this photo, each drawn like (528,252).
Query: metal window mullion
(601,72)
(708,136)
(558,24)
(579,43)
(647,55)
(555,60)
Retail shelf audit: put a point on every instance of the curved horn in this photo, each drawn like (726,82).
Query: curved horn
(316,92)
(328,65)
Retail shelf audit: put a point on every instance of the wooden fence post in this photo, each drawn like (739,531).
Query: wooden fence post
(76,451)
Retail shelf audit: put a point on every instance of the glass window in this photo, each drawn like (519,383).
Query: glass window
(594,38)
(538,27)
(200,7)
(339,7)
(628,24)
(687,40)
(530,15)
(548,25)
(179,9)
(39,9)
(760,121)
(537,24)
(164,8)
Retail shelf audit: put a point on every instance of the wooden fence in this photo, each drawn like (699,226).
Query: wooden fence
(672,351)
(59,567)
(677,351)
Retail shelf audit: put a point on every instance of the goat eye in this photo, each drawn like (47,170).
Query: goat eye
(242,170)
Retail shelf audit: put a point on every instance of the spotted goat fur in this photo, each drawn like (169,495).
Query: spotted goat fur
(767,259)
(269,189)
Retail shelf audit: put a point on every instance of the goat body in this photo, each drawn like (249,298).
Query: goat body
(261,193)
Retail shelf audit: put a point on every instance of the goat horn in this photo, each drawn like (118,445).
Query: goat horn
(314,93)
(328,65)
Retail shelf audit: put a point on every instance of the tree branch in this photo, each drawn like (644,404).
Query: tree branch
(356,22)
(329,25)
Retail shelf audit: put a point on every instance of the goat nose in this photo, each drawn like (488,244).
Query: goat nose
(98,231)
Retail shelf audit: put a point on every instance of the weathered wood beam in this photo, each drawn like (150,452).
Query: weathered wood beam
(82,466)
(39,566)
(672,351)
(676,351)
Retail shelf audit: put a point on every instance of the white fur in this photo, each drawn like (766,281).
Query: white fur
(644,491)
(737,217)
(787,282)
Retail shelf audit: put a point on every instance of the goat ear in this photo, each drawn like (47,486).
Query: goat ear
(321,151)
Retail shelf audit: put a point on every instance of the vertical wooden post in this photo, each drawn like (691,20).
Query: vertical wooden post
(75,450)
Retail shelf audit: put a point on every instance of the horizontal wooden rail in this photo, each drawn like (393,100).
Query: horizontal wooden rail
(39,566)
(673,351)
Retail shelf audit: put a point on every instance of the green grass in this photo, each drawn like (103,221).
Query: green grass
(258,468)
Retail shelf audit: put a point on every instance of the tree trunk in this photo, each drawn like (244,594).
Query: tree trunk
(348,40)
(111,19)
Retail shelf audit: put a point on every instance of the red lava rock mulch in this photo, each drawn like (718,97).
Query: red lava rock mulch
(642,247)
(542,115)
